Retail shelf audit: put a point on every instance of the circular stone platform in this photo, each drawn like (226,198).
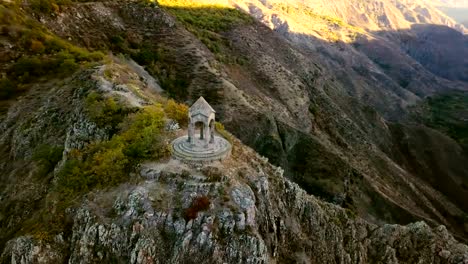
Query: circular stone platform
(199,150)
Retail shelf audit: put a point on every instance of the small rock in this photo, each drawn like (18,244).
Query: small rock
(445,254)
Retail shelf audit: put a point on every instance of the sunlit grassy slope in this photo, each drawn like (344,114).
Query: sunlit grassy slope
(208,21)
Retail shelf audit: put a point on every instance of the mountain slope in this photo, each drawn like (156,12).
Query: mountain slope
(292,100)
(304,102)
(238,210)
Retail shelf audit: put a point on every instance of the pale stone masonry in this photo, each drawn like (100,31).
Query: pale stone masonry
(203,114)
(201,144)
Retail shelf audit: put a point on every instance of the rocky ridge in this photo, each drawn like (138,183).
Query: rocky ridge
(255,216)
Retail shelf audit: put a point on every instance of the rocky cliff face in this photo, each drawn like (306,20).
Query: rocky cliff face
(254,215)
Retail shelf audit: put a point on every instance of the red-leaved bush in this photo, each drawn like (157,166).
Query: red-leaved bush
(201,203)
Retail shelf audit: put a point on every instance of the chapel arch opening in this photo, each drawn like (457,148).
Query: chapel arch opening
(200,127)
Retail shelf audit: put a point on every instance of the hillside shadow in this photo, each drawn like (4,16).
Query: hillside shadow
(425,61)
(441,50)
(417,62)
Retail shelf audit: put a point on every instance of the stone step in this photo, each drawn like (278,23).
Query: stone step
(183,150)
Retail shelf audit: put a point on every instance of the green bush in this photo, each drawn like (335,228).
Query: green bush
(44,6)
(30,68)
(118,43)
(68,66)
(54,45)
(143,134)
(220,129)
(109,163)
(176,111)
(105,111)
(48,156)
(37,46)
(71,180)
(27,68)
(7,88)
(7,15)
(145,56)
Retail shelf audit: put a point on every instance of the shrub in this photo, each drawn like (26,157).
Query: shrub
(43,53)
(108,166)
(220,129)
(48,156)
(200,203)
(442,112)
(71,180)
(145,56)
(144,134)
(7,88)
(108,163)
(26,68)
(29,68)
(118,43)
(105,111)
(37,46)
(54,44)
(176,111)
(214,18)
(7,16)
(68,66)
(44,6)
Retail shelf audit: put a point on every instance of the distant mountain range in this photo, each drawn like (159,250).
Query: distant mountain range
(451,3)
(456,9)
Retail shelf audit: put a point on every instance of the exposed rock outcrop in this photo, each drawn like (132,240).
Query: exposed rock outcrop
(255,216)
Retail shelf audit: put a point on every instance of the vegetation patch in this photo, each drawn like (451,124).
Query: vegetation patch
(139,136)
(308,13)
(106,111)
(208,22)
(47,157)
(177,112)
(222,131)
(447,113)
(108,163)
(214,18)
(43,54)
(161,62)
